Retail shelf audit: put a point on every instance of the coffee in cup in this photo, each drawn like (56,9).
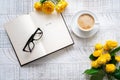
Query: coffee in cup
(86,22)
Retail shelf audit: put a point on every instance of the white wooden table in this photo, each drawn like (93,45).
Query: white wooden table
(66,64)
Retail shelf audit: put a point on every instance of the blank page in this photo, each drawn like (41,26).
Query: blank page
(19,31)
(55,32)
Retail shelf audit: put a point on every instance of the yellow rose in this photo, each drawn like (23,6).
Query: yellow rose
(98,46)
(94,64)
(38,6)
(101,60)
(117,58)
(97,53)
(110,68)
(64,3)
(60,7)
(48,7)
(111,44)
(107,56)
(105,47)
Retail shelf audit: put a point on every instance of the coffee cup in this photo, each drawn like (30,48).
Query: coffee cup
(85,24)
(86,21)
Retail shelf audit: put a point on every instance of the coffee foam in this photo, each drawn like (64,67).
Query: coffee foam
(85,22)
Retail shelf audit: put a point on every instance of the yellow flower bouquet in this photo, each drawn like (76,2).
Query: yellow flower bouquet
(104,61)
(48,6)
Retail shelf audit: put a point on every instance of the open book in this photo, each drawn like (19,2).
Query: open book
(55,35)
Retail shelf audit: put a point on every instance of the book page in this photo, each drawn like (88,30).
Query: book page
(19,31)
(55,32)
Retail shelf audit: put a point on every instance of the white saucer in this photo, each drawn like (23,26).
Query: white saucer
(79,32)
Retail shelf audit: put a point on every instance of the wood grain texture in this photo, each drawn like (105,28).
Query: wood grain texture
(66,64)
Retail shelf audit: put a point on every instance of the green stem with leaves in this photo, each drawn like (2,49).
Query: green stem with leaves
(54,1)
(109,77)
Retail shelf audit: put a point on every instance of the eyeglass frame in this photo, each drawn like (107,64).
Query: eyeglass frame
(31,39)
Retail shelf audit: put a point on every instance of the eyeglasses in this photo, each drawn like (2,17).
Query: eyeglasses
(29,46)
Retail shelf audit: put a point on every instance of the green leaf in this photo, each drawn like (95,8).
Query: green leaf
(112,52)
(91,71)
(113,61)
(116,74)
(91,57)
(98,76)
(119,68)
(42,1)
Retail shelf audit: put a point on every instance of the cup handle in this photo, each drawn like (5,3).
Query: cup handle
(96,22)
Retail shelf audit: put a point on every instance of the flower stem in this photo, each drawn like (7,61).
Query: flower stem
(109,77)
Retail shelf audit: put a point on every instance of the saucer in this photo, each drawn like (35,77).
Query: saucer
(81,33)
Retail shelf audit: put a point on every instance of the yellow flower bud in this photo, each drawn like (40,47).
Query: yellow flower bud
(48,7)
(101,60)
(106,47)
(110,68)
(98,46)
(38,6)
(111,44)
(61,6)
(64,3)
(107,56)
(97,53)
(94,64)
(117,58)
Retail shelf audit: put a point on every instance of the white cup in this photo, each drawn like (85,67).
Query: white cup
(86,21)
